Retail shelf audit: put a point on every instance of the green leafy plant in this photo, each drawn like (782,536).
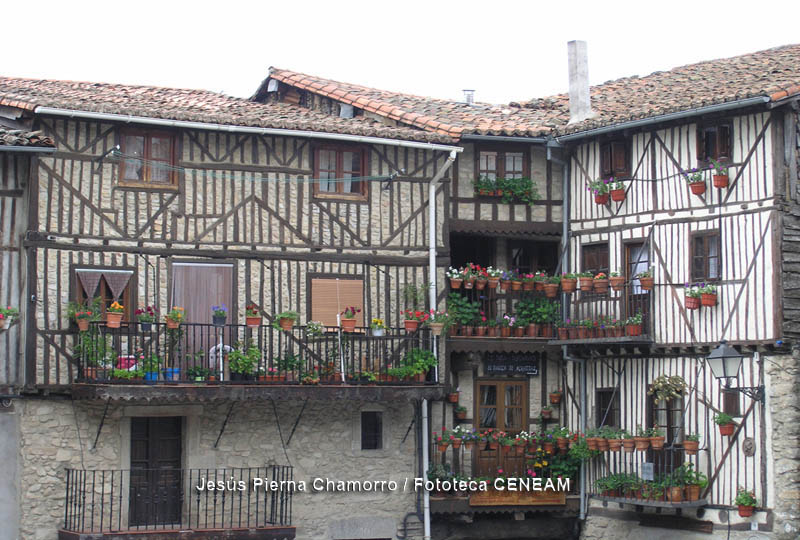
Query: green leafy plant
(314,329)
(462,309)
(152,364)
(522,190)
(599,186)
(85,310)
(198,372)
(284,315)
(288,362)
(667,387)
(243,359)
(719,168)
(722,419)
(694,176)
(745,498)
(693,437)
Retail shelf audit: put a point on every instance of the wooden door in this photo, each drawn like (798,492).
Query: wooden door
(156,492)
(637,259)
(501,404)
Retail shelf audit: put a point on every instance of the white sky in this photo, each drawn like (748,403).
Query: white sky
(505,50)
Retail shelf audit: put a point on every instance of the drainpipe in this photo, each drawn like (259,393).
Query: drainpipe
(432,245)
(426,499)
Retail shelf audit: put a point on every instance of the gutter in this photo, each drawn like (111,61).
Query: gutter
(759,100)
(128,119)
(28,149)
(504,138)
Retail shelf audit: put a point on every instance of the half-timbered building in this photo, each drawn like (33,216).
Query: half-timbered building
(180,198)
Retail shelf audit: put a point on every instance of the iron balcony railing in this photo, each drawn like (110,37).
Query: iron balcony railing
(204,353)
(622,313)
(113,501)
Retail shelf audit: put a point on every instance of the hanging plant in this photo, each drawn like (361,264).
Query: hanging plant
(666,387)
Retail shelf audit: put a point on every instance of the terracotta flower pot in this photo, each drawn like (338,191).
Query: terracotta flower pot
(726,430)
(466,330)
(83,325)
(519,331)
(562,442)
(708,300)
(461,415)
(546,413)
(494,445)
(348,325)
(456,443)
(617,195)
(452,397)
(436,328)
(491,331)
(505,331)
(539,285)
(442,447)
(551,290)
(601,286)
(583,333)
(410,325)
(647,283)
(516,285)
(172,324)
(504,284)
(614,444)
(675,493)
(480,284)
(546,331)
(529,285)
(493,281)
(568,285)
(657,442)
(720,181)
(690,447)
(469,283)
(286,323)
(698,188)
(586,284)
(633,330)
(745,511)
(628,445)
(641,443)
(692,302)
(572,332)
(602,444)
(601,198)
(532,330)
(591,443)
(692,492)
(251,322)
(548,447)
(480,331)
(563,333)
(555,398)
(455,283)
(617,282)
(113,320)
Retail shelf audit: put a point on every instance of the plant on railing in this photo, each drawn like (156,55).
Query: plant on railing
(126,375)
(667,387)
(746,501)
(725,423)
(8,315)
(175,317)
(695,180)
(84,313)
(198,373)
(219,314)
(146,316)
(314,329)
(708,295)
(719,174)
(510,190)
(151,365)
(462,309)
(599,187)
(243,360)
(438,321)
(285,320)
(114,314)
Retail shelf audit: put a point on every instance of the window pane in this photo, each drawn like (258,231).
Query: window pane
(713,268)
(159,172)
(487,164)
(327,170)
(160,148)
(513,418)
(488,395)
(513,396)
(351,162)
(133,148)
(513,165)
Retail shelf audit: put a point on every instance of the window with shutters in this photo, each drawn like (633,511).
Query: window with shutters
(615,159)
(705,248)
(109,285)
(713,142)
(501,163)
(330,295)
(149,159)
(608,407)
(594,258)
(339,172)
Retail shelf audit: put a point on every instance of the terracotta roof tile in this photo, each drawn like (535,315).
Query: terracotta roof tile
(773,73)
(17,137)
(192,105)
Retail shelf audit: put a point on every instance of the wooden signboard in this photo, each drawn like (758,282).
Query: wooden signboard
(517,498)
(503,363)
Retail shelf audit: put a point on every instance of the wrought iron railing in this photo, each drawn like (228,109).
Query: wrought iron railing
(208,354)
(110,501)
(609,314)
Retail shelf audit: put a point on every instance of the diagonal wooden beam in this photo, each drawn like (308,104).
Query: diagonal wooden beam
(354,235)
(223,217)
(727,452)
(746,160)
(410,218)
(635,173)
(681,307)
(282,220)
(155,216)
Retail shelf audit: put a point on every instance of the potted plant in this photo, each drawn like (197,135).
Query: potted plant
(746,501)
(601,283)
(617,190)
(441,440)
(174,317)
(452,397)
(569,282)
(377,327)
(667,387)
(481,277)
(555,397)
(420,362)
(720,174)
(285,320)
(461,412)
(114,314)
(83,317)
(691,444)
(599,187)
(348,318)
(494,276)
(628,442)
(708,295)
(646,279)
(642,439)
(122,374)
(691,295)
(8,315)
(695,481)
(146,316)
(314,329)
(725,423)
(288,364)
(697,184)
(585,281)
(616,281)
(413,318)
(437,321)
(614,440)
(197,373)
(547,411)
(551,286)
(633,325)
(657,438)
(243,361)
(562,331)
(252,316)
(455,276)
(219,314)
(151,367)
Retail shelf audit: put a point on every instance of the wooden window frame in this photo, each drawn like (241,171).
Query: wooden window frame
(615,412)
(128,295)
(148,134)
(705,235)
(593,246)
(722,153)
(501,383)
(609,153)
(500,163)
(363,194)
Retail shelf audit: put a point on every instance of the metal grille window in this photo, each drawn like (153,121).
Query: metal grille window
(371,430)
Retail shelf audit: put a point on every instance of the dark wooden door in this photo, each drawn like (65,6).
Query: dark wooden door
(501,405)
(156,492)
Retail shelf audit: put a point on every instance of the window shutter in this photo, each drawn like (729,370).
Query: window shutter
(619,157)
(724,141)
(605,160)
(329,297)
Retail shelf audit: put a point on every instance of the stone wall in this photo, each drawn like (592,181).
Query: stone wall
(326,444)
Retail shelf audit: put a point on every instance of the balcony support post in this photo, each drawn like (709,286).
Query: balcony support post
(224,423)
(102,421)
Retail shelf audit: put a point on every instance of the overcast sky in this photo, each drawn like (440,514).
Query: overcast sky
(505,50)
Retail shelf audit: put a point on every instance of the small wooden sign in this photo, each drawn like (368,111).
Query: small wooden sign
(503,363)
(517,498)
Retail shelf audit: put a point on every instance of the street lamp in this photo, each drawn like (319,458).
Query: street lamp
(725,363)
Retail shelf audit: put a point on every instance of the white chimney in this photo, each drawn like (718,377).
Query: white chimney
(469,96)
(580,106)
